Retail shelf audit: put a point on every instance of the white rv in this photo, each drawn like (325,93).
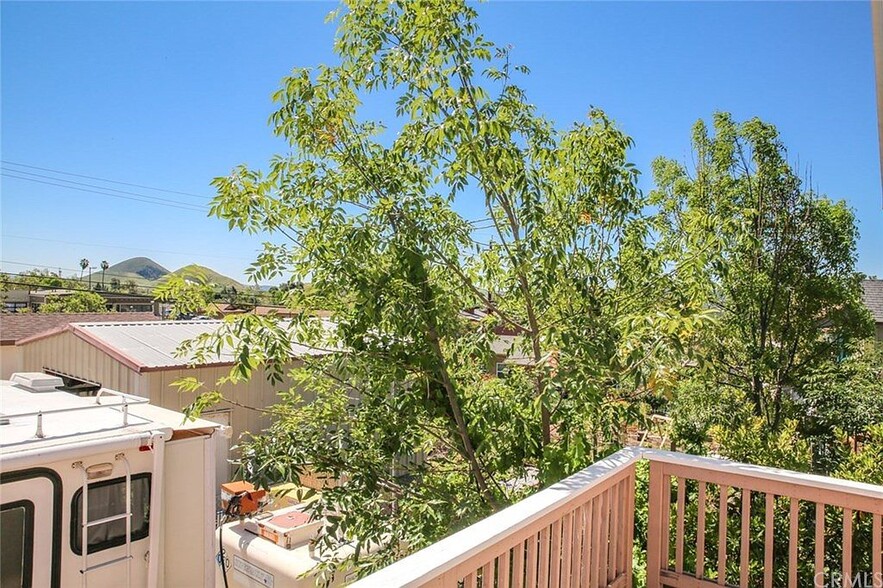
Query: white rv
(102,491)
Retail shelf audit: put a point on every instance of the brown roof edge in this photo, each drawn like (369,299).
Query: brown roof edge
(88,338)
(44,335)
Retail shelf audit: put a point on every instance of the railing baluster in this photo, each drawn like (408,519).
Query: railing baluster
(605,534)
(700,532)
(722,536)
(744,556)
(818,578)
(768,539)
(597,513)
(588,546)
(793,528)
(666,523)
(630,528)
(847,548)
(877,552)
(544,558)
(487,578)
(567,548)
(575,535)
(679,534)
(658,502)
(555,579)
(531,566)
(518,565)
(503,570)
(625,535)
(469,581)
(614,533)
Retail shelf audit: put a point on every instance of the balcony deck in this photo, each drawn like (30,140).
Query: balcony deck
(581,531)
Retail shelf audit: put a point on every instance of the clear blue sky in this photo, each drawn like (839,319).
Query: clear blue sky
(170,95)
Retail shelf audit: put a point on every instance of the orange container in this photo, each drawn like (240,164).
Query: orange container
(248,503)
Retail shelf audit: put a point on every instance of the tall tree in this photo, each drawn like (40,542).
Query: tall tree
(84,263)
(780,262)
(561,257)
(104,266)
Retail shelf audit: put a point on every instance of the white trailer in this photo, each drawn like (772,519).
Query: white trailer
(103,491)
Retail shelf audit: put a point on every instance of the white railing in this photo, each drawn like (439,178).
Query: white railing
(580,531)
(586,520)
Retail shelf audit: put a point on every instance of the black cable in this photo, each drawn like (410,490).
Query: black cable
(233,509)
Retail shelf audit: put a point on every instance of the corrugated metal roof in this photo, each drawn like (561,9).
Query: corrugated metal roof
(153,344)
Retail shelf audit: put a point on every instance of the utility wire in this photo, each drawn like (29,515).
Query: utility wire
(56,171)
(103,188)
(102,193)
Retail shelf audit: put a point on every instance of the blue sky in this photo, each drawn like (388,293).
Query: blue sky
(169,95)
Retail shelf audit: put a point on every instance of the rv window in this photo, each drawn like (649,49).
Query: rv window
(106,499)
(17,555)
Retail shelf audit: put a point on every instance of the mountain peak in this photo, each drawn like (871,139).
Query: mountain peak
(143,267)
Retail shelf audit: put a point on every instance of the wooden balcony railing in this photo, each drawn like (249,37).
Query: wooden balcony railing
(581,531)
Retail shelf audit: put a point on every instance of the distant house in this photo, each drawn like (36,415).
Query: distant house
(116,301)
(140,358)
(222,309)
(15,300)
(873,297)
(19,326)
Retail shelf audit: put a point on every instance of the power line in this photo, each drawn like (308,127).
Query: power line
(103,188)
(182,206)
(56,171)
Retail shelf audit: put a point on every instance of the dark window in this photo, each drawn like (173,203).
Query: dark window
(17,555)
(106,499)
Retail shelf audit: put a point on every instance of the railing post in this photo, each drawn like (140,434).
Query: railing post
(658,514)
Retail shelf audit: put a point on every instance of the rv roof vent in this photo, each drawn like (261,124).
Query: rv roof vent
(37,381)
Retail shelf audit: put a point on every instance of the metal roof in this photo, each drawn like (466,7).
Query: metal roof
(153,345)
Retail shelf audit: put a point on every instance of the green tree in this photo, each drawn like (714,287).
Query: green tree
(104,266)
(76,302)
(779,261)
(130,286)
(84,264)
(36,279)
(369,214)
(115,285)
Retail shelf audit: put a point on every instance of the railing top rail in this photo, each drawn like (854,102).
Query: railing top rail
(443,556)
(715,465)
(436,559)
(66,409)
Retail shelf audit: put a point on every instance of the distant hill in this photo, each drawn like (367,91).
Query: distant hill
(209,275)
(147,273)
(137,267)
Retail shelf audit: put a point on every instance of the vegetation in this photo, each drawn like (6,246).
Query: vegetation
(726,297)
(75,302)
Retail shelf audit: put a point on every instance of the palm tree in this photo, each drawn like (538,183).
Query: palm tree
(104,266)
(84,263)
